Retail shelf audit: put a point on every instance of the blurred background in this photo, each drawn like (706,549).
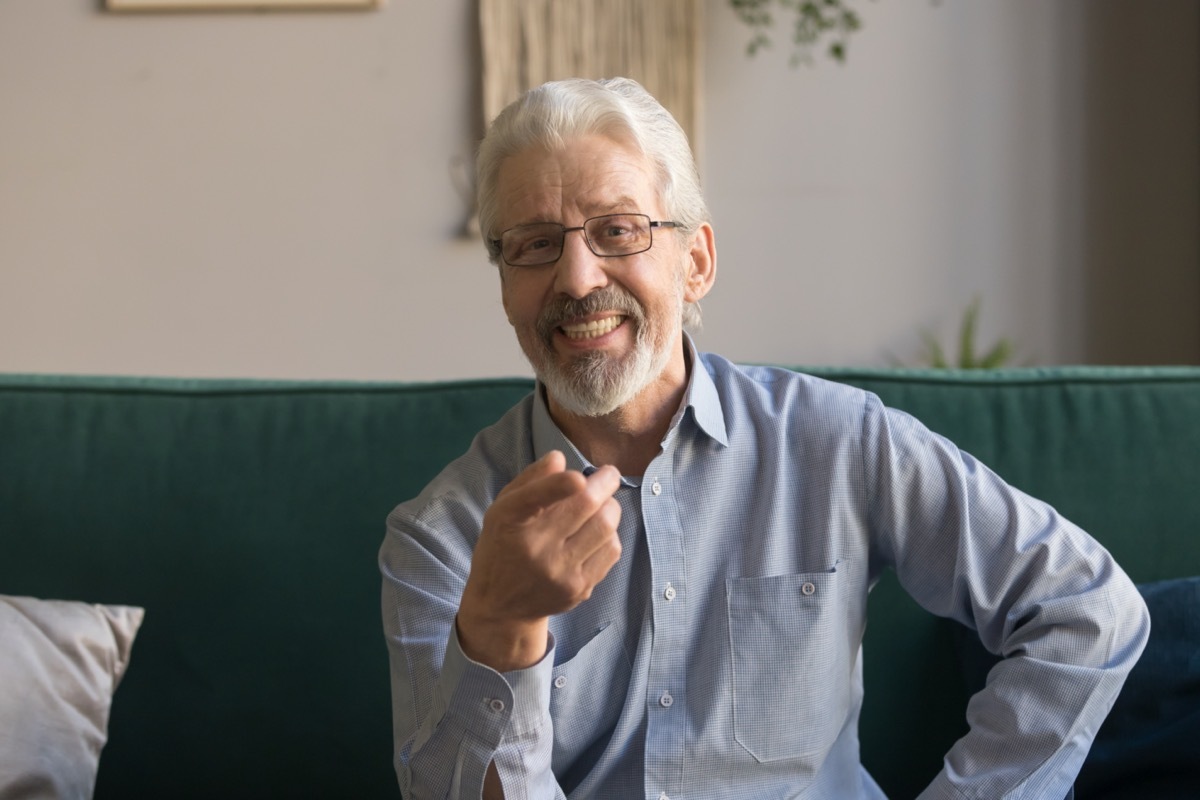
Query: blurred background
(276,195)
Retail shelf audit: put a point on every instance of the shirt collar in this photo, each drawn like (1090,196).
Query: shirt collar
(703,399)
(700,396)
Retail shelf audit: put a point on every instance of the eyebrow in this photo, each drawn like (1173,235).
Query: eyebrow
(618,206)
(621,205)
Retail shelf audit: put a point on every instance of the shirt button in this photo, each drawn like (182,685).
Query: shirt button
(496,705)
(656,488)
(663,796)
(669,593)
(666,701)
(560,681)
(808,589)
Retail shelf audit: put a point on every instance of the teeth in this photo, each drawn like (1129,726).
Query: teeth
(590,330)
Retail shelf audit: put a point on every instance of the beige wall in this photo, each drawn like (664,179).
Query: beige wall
(269,195)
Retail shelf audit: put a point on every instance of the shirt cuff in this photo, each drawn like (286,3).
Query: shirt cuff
(496,706)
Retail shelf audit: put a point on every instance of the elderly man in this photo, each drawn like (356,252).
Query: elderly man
(649,579)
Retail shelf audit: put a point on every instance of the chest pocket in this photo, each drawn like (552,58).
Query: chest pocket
(587,694)
(790,649)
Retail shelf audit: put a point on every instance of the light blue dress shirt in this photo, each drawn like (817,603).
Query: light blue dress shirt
(721,657)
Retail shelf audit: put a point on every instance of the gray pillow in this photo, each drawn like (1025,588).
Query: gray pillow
(60,663)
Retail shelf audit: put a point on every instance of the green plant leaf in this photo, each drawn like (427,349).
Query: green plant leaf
(998,356)
(757,43)
(966,336)
(934,355)
(816,25)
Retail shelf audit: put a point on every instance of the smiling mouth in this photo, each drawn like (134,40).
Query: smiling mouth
(593,329)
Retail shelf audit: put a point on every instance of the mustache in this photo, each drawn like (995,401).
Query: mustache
(565,309)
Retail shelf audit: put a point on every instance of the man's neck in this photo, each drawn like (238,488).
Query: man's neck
(630,437)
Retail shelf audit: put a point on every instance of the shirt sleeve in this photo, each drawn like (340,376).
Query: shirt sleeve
(1039,591)
(451,716)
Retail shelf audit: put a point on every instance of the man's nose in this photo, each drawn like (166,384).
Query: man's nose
(579,271)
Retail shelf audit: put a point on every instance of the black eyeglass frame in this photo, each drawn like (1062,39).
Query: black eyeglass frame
(498,244)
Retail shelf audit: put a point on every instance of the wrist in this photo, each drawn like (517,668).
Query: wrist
(504,645)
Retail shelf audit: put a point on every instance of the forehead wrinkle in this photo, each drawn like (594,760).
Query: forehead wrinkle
(625,204)
(541,185)
(532,196)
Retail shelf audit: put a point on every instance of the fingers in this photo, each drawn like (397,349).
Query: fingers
(551,462)
(536,498)
(598,564)
(541,484)
(605,481)
(601,515)
(596,546)
(566,498)
(589,496)
(548,539)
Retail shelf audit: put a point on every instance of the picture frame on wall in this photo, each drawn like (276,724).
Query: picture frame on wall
(240,5)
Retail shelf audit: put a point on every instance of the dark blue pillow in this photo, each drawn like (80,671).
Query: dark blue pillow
(1149,747)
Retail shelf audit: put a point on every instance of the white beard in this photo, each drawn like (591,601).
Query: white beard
(597,384)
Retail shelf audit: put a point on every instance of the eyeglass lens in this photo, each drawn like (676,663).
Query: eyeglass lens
(610,235)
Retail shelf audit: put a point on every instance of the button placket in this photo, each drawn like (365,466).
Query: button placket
(665,731)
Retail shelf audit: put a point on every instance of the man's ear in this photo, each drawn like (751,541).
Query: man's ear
(700,264)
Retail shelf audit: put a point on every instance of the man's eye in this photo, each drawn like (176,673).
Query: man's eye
(615,231)
(533,244)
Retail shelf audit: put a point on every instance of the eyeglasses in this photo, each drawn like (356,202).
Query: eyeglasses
(610,236)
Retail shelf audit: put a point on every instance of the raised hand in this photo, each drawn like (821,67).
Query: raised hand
(548,539)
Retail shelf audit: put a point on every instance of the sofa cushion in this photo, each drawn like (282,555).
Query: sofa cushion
(59,666)
(1147,745)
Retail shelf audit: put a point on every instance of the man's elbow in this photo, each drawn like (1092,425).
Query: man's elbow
(1130,625)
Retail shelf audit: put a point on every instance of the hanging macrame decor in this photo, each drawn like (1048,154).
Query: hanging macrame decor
(655,42)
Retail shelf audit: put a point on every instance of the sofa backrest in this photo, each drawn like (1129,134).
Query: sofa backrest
(246,516)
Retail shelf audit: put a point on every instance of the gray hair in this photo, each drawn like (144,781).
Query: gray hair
(619,108)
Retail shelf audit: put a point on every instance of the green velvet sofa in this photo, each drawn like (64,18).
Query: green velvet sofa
(245,517)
